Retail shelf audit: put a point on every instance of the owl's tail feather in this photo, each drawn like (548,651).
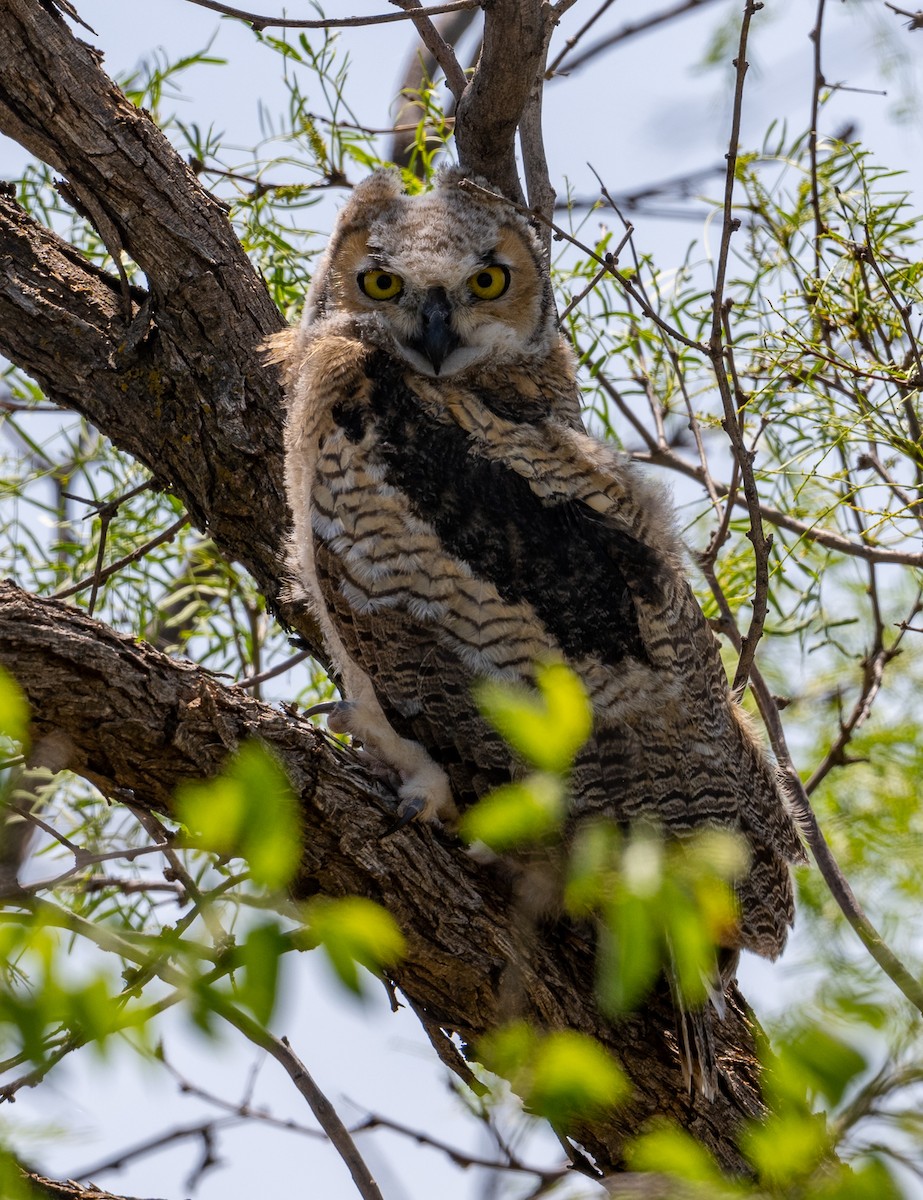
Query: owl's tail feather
(695,1027)
(698,1058)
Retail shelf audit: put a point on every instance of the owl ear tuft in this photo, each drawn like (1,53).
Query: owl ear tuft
(382,187)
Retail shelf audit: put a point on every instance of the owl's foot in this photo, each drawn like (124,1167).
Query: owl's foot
(424,789)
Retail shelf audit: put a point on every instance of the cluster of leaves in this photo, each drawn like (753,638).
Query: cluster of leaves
(235,851)
(662,907)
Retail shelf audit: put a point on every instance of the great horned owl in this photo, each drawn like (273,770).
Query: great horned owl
(452,520)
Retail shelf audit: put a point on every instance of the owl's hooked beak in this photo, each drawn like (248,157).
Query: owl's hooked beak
(437,338)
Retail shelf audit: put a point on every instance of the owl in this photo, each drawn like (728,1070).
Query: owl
(454,522)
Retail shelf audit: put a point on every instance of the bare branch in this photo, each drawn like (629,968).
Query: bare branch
(562,66)
(433,40)
(916,18)
(259,21)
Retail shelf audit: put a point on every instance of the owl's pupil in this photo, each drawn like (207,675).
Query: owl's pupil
(485,279)
(385,282)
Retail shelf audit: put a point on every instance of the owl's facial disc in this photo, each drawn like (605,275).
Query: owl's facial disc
(437,338)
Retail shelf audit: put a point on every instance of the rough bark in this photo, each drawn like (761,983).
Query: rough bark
(37,1187)
(179,382)
(492,105)
(185,359)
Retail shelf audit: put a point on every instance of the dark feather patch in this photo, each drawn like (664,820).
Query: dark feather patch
(578,573)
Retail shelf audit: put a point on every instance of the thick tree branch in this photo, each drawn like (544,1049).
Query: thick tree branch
(39,1188)
(492,105)
(137,723)
(183,386)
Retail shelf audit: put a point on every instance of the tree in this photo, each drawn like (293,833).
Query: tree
(782,378)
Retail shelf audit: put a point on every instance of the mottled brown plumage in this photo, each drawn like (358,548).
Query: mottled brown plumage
(452,520)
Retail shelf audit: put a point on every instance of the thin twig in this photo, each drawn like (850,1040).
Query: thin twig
(606,261)
(572,41)
(99,577)
(667,457)
(259,21)
(629,31)
(436,44)
(461,1158)
(719,351)
(253,681)
(916,18)
(800,805)
(819,227)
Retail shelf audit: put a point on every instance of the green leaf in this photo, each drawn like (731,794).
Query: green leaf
(630,957)
(259,957)
(14,709)
(12,1184)
(559,1075)
(516,814)
(248,811)
(355,930)
(671,1151)
(572,1075)
(870,1180)
(788,1147)
(546,727)
(92,1010)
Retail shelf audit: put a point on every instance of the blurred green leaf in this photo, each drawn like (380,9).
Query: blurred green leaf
(786,1148)
(12,1184)
(559,1075)
(354,930)
(260,957)
(867,1180)
(546,727)
(671,1151)
(517,814)
(248,811)
(14,709)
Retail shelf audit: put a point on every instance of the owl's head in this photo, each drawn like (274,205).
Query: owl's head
(447,280)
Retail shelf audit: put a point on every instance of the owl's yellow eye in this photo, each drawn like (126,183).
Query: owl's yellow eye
(489,283)
(380,285)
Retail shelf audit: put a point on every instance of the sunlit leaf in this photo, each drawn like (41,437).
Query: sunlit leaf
(14,709)
(548,726)
(559,1075)
(248,811)
(355,931)
(672,1151)
(517,814)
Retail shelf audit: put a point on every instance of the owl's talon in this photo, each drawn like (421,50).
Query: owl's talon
(339,714)
(409,809)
